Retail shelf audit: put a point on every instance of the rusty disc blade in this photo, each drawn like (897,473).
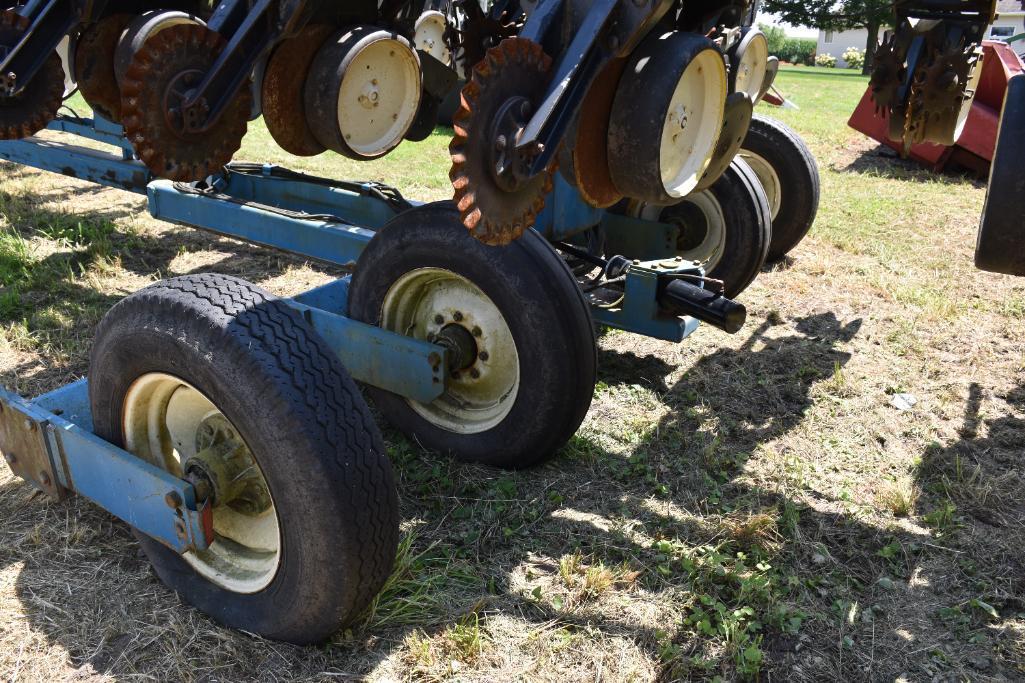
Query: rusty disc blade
(29,111)
(589,152)
(284,107)
(167,65)
(94,65)
(516,70)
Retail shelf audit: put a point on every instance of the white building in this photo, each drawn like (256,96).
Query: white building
(837,42)
(1010,22)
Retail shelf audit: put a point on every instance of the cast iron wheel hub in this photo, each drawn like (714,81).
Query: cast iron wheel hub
(462,348)
(691,221)
(180,120)
(174,426)
(509,165)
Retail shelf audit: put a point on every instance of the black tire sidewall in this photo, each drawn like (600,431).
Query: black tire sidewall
(546,313)
(798,175)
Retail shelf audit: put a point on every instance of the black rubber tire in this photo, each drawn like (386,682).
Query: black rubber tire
(547,314)
(790,158)
(747,244)
(306,424)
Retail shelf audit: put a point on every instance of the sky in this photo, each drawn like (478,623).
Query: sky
(792,31)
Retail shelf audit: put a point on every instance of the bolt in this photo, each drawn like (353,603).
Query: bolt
(439,319)
(484,355)
(44,478)
(475,373)
(457,316)
(434,359)
(500,143)
(477,331)
(173,500)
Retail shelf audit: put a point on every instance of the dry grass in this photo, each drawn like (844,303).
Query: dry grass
(747,506)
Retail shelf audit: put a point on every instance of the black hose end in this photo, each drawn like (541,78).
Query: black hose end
(679,297)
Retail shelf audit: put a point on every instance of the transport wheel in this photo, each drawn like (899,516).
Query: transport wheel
(787,171)
(726,227)
(218,382)
(516,325)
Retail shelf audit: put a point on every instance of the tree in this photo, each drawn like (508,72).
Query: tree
(838,15)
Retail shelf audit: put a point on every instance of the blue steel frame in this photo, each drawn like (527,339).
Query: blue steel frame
(326,223)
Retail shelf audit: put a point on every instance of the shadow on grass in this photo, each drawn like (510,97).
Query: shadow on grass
(885,162)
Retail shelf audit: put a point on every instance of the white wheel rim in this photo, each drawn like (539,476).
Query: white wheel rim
(708,247)
(163,420)
(430,36)
(752,67)
(768,178)
(425,304)
(379,96)
(692,123)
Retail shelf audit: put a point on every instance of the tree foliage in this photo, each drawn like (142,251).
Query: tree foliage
(832,15)
(837,15)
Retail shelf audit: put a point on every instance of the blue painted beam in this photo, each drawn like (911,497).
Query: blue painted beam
(328,241)
(332,297)
(75,161)
(355,207)
(399,364)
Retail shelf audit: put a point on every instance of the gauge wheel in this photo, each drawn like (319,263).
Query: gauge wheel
(518,331)
(726,227)
(220,383)
(788,173)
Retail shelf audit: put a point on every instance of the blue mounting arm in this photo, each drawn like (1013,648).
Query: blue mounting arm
(49,443)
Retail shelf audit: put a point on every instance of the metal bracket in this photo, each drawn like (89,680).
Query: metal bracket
(58,456)
(26,450)
(639,310)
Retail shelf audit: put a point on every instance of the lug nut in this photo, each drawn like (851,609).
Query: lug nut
(484,355)
(475,373)
(439,319)
(457,316)
(477,331)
